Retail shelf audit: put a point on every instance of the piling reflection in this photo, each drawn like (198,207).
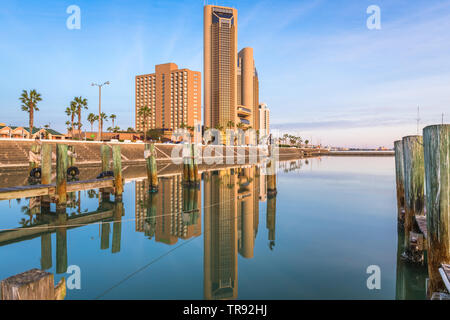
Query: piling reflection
(410,278)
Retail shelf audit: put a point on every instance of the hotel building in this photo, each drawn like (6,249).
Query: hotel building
(264,118)
(248,90)
(173,96)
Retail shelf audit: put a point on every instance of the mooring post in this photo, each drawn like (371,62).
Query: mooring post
(399,175)
(191,165)
(61,176)
(195,155)
(106,157)
(436,140)
(71,156)
(46,174)
(34,156)
(414,175)
(271,217)
(152,170)
(117,164)
(46,163)
(186,160)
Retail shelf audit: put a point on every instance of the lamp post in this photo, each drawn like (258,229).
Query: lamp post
(100,120)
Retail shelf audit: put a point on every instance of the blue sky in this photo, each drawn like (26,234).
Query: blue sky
(323,73)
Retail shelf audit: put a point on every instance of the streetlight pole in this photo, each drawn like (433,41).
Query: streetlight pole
(100,120)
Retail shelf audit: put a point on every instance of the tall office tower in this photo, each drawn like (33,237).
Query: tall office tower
(264,118)
(220,235)
(173,96)
(220,65)
(248,89)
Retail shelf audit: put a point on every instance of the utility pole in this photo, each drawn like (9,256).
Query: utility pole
(418,119)
(100,120)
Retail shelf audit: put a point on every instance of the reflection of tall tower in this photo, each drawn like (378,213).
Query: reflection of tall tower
(247,206)
(220,65)
(220,236)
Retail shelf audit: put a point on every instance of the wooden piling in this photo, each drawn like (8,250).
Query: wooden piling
(105,152)
(61,175)
(71,157)
(46,163)
(34,284)
(413,164)
(152,170)
(191,165)
(117,165)
(437,175)
(186,161)
(271,218)
(195,154)
(399,175)
(35,150)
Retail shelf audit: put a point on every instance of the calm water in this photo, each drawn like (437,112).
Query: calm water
(331,219)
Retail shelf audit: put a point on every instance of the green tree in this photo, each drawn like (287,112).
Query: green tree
(80,103)
(145,112)
(72,112)
(29,104)
(92,118)
(113,117)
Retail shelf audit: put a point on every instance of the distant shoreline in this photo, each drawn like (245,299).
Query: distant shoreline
(362,153)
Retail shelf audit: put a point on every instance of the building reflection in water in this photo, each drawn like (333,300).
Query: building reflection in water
(231,219)
(170,214)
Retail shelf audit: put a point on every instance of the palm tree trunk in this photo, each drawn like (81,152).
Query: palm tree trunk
(31,120)
(79,123)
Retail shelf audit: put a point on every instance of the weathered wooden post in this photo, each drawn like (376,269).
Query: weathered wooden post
(191,165)
(46,163)
(150,224)
(152,170)
(399,175)
(186,161)
(437,175)
(105,152)
(34,156)
(195,155)
(117,164)
(71,156)
(61,176)
(413,164)
(34,284)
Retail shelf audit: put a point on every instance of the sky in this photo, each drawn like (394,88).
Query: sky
(324,74)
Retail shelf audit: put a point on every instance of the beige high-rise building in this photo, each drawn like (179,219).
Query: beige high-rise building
(220,65)
(264,118)
(248,90)
(173,96)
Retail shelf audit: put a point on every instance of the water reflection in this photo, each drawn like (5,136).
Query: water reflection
(230,202)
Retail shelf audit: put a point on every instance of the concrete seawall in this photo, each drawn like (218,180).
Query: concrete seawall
(14,153)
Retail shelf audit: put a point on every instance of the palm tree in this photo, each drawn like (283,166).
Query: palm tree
(145,112)
(72,112)
(113,118)
(29,104)
(103,117)
(92,118)
(230,124)
(81,103)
